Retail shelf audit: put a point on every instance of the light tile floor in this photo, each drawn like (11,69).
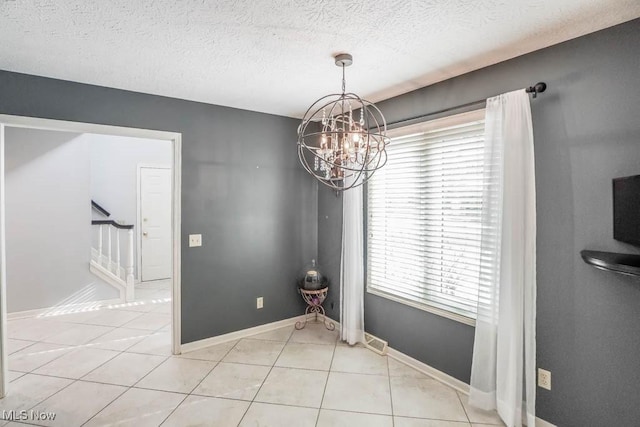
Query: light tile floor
(114,367)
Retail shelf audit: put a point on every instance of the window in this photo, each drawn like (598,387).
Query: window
(424,212)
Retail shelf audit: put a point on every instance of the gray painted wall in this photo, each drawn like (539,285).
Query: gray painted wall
(242,188)
(114,177)
(586,132)
(48,221)
(330,245)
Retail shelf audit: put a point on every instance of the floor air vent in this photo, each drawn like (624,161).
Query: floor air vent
(375,344)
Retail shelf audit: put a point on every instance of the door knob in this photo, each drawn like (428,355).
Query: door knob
(144,233)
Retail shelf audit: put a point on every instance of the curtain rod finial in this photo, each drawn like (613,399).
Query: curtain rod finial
(537,88)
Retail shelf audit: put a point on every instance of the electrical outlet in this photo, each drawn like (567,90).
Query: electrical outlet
(195,240)
(259,302)
(544,378)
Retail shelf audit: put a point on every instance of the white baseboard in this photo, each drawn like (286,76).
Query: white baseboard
(434,373)
(244,333)
(542,423)
(62,309)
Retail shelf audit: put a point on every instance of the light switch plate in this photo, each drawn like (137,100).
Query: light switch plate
(259,302)
(195,240)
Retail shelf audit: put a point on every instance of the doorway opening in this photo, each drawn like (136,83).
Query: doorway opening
(131,285)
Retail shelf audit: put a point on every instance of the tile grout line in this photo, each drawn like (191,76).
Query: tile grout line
(87,345)
(23,348)
(199,382)
(234,399)
(152,333)
(118,355)
(265,378)
(149,373)
(144,314)
(75,380)
(73,347)
(288,405)
(174,409)
(127,387)
(103,408)
(65,347)
(266,366)
(393,418)
(324,391)
(88,323)
(463,408)
(24,423)
(21,372)
(49,397)
(413,417)
(217,363)
(125,350)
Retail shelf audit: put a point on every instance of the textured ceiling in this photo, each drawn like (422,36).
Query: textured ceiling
(276,55)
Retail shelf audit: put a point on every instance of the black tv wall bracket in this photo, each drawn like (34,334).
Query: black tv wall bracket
(628,264)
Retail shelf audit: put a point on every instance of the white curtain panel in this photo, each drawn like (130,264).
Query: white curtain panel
(503,369)
(352,267)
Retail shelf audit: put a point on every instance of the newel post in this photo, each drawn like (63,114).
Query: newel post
(100,245)
(109,258)
(118,264)
(129,270)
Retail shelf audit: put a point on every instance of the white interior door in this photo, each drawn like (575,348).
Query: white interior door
(155,223)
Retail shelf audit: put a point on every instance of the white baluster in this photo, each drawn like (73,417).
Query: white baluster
(130,279)
(100,245)
(109,262)
(118,253)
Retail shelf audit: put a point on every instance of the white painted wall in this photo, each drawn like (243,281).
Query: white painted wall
(114,164)
(48,221)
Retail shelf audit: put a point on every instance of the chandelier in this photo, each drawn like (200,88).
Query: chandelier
(342,137)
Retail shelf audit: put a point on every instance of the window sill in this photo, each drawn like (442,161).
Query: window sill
(433,310)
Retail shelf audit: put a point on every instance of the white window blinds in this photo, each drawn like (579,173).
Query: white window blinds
(424,212)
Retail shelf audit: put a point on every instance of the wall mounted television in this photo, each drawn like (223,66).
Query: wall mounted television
(626,209)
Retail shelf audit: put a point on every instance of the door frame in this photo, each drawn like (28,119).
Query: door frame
(176,220)
(139,168)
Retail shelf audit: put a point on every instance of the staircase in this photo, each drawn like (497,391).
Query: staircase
(106,261)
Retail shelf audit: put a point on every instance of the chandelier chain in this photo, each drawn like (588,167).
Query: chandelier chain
(344,84)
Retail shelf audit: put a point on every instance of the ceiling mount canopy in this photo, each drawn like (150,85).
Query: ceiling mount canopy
(343,59)
(342,138)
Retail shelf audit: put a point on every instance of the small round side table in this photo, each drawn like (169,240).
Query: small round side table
(314,299)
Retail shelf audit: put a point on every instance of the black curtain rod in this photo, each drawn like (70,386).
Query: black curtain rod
(535,90)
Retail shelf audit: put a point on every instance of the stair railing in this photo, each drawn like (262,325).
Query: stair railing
(95,206)
(110,259)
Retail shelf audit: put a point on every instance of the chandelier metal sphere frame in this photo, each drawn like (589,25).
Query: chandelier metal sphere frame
(342,138)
